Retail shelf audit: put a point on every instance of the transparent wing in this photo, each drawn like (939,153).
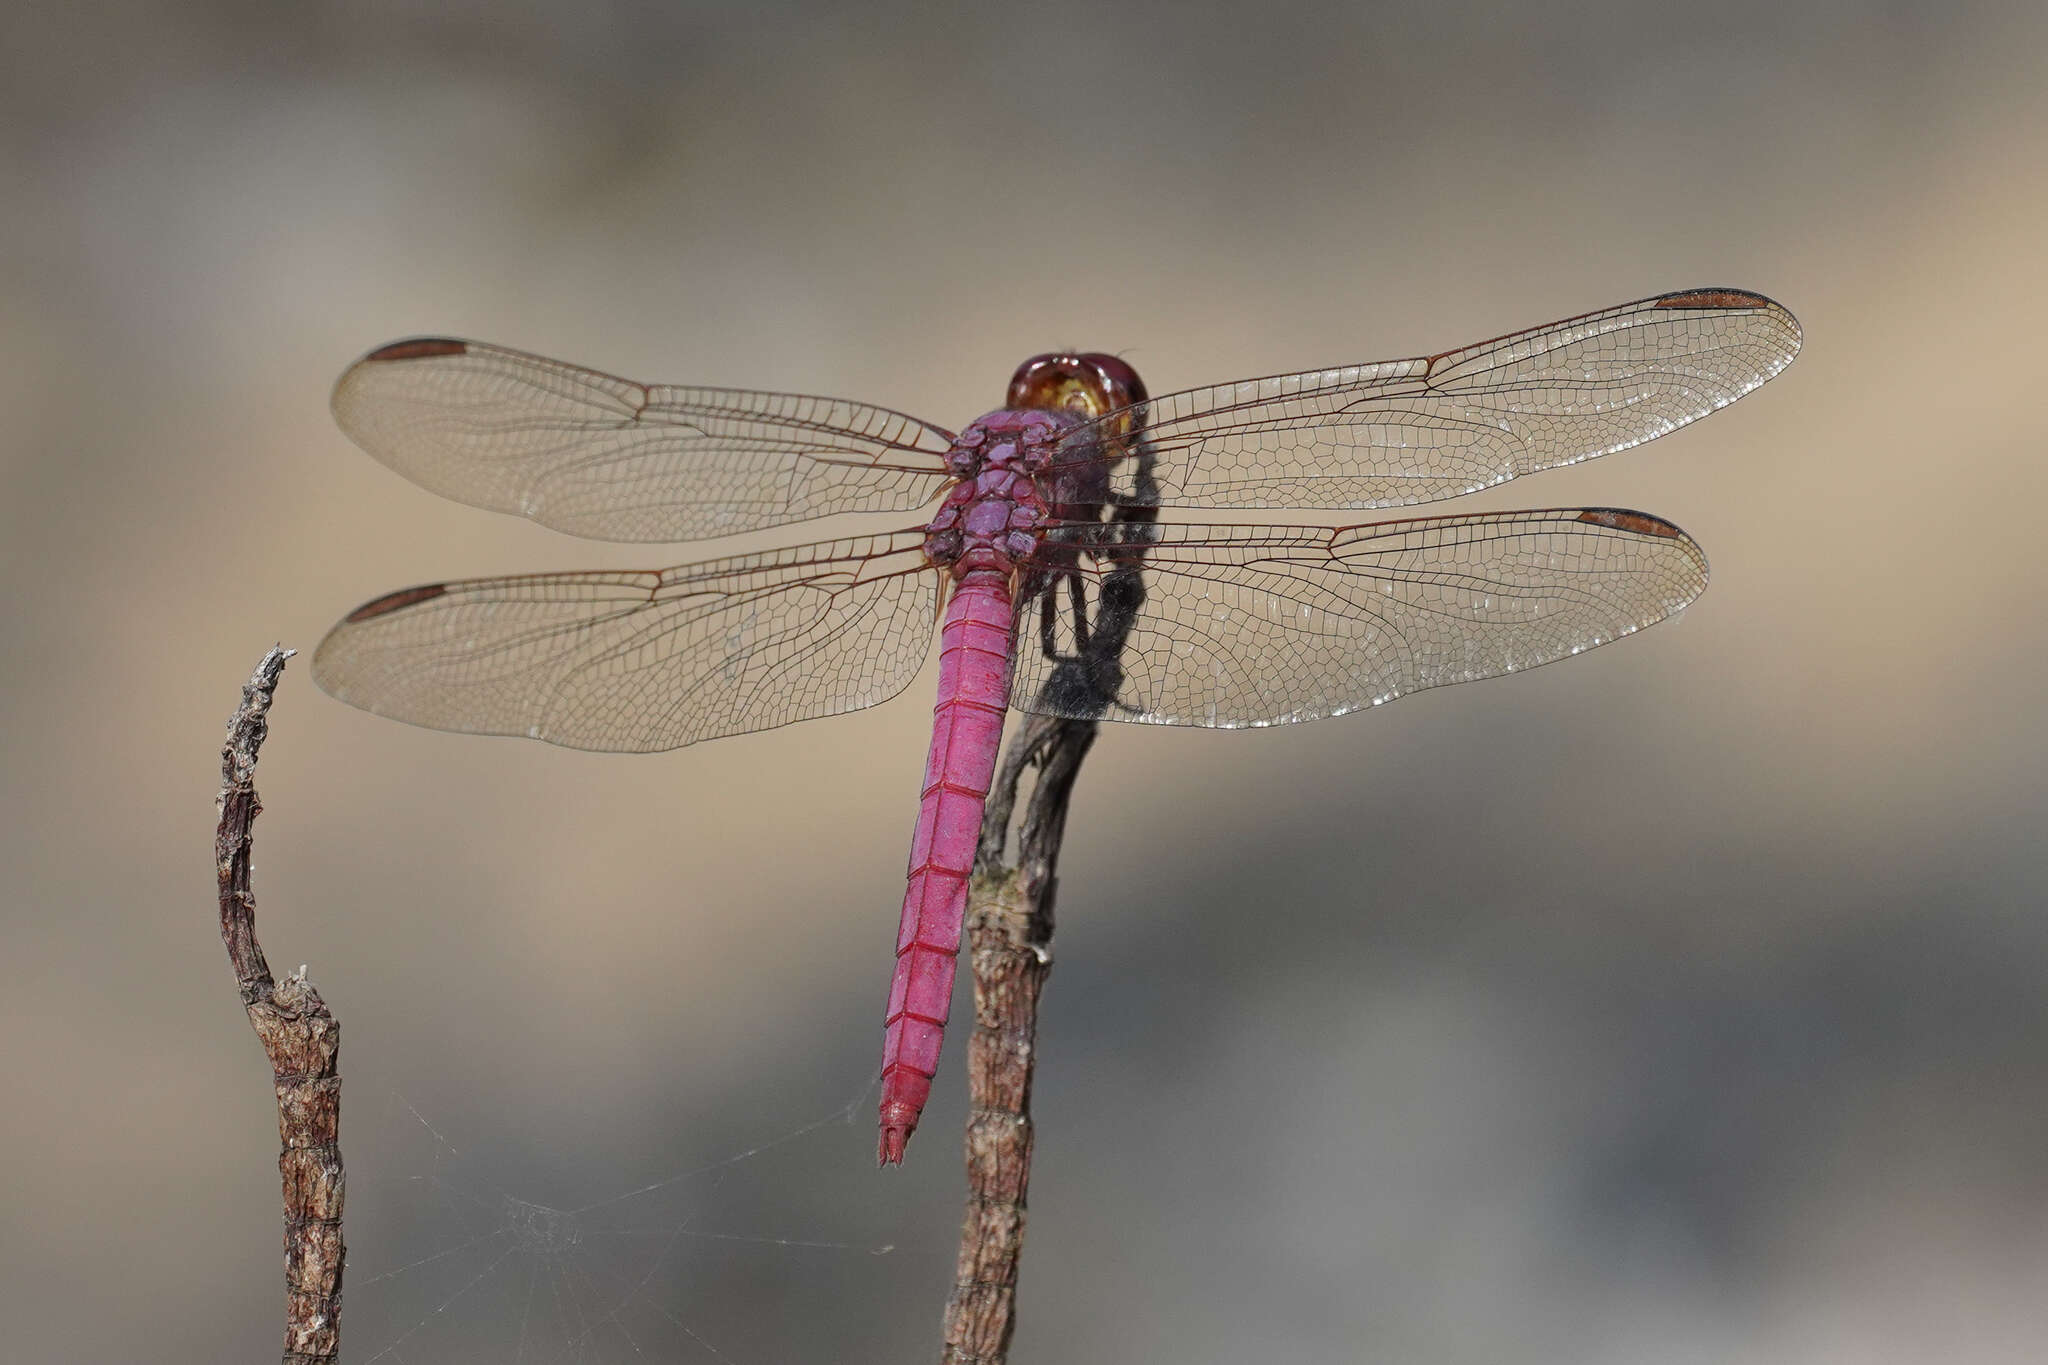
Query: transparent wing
(648,660)
(606,458)
(1409,431)
(1231,626)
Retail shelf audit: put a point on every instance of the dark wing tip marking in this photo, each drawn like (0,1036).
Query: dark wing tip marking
(1615,518)
(1714,298)
(395,601)
(418,348)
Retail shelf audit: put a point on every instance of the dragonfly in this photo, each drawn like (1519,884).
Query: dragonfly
(1047,571)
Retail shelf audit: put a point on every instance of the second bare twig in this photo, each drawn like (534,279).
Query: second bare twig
(302,1040)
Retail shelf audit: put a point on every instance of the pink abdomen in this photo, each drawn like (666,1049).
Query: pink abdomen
(967,730)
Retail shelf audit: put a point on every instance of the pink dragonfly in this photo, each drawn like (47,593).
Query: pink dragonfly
(1052,583)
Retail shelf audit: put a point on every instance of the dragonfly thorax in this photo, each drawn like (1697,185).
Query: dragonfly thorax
(995,514)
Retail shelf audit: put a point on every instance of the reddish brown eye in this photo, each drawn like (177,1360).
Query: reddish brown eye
(1089,385)
(1119,380)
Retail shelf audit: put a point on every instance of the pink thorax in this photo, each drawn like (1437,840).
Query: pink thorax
(994,516)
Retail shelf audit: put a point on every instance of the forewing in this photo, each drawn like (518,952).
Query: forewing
(1409,431)
(610,459)
(1239,625)
(648,660)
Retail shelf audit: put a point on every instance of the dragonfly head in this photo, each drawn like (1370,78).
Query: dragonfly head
(1089,386)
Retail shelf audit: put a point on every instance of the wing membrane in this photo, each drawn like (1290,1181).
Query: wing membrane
(1408,431)
(610,459)
(1258,625)
(643,661)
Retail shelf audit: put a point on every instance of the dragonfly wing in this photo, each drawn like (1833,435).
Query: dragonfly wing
(610,459)
(1231,626)
(1409,431)
(641,661)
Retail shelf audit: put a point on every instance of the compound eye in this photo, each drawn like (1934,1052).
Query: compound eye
(1085,385)
(1120,383)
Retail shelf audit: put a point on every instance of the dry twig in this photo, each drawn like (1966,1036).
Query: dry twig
(1009,934)
(301,1039)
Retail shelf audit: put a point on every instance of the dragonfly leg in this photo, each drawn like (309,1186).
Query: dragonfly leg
(1048,621)
(1079,600)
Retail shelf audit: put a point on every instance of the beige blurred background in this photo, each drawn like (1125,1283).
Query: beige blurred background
(1683,1003)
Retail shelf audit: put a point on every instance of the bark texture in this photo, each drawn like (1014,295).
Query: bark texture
(1009,936)
(303,1042)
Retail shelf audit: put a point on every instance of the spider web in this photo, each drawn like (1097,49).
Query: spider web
(454,1264)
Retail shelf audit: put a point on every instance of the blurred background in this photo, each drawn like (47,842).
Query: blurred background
(1683,1003)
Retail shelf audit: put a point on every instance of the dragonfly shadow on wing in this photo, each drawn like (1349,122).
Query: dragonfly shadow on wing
(1087,678)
